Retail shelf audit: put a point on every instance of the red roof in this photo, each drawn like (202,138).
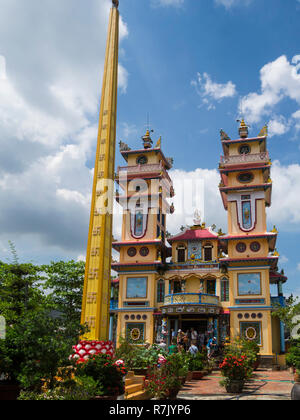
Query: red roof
(194,234)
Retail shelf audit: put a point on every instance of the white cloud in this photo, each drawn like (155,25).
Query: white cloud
(279,80)
(286,183)
(278,126)
(51,66)
(211,91)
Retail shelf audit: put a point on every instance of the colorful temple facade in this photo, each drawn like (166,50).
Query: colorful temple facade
(199,278)
(214,282)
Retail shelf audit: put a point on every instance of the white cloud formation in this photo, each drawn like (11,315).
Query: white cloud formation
(210,91)
(278,126)
(279,80)
(51,64)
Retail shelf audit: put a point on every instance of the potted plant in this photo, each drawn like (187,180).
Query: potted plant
(197,365)
(235,370)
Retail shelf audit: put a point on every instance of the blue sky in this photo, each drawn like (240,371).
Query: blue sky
(194,65)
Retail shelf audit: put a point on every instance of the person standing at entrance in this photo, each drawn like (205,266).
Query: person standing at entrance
(194,335)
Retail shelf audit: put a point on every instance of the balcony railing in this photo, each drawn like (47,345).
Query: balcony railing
(124,171)
(250,158)
(191,299)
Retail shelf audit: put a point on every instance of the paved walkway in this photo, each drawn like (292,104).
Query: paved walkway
(264,385)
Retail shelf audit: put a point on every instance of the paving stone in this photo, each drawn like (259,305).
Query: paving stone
(264,385)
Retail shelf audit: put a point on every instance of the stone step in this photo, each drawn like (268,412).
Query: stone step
(131,389)
(129,381)
(138,396)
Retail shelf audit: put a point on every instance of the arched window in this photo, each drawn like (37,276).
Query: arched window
(224,289)
(160,291)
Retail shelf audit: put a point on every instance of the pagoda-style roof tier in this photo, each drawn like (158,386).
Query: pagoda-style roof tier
(271,261)
(228,142)
(194,233)
(117,245)
(270,236)
(276,277)
(167,161)
(224,190)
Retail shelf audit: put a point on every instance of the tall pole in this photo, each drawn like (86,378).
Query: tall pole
(96,293)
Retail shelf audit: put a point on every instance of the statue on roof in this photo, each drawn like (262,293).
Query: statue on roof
(197,218)
(224,136)
(124,147)
(115,3)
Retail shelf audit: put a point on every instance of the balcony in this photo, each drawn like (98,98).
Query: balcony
(197,303)
(243,158)
(142,170)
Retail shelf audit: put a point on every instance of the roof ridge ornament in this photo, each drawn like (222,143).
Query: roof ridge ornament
(197,218)
(244,129)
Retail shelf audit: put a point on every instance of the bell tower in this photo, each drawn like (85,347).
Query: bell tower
(246,189)
(146,186)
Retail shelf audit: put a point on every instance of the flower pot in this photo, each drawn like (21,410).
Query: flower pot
(256,364)
(198,374)
(235,386)
(9,392)
(295,394)
(172,394)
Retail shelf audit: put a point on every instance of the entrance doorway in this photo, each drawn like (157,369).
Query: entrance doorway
(199,325)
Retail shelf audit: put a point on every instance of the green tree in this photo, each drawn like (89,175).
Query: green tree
(289,314)
(38,343)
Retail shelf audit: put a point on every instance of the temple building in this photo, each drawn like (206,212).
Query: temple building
(214,282)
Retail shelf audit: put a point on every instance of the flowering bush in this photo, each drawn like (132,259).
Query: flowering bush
(164,378)
(235,368)
(106,373)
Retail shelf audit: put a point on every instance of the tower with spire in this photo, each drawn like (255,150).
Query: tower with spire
(251,259)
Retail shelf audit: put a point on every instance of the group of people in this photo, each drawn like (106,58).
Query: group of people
(190,341)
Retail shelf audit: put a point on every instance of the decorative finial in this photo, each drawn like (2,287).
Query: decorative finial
(115,3)
(147,140)
(158,144)
(243,130)
(264,131)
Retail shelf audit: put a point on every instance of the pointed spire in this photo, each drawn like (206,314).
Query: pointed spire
(158,144)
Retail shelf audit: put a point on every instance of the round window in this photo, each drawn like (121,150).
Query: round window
(244,149)
(245,177)
(144,251)
(241,247)
(255,246)
(131,252)
(141,160)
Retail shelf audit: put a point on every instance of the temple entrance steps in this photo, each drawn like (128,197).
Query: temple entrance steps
(135,387)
